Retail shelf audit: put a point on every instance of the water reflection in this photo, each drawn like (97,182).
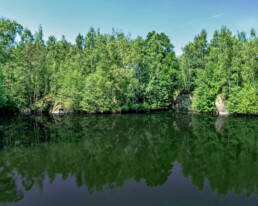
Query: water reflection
(103,152)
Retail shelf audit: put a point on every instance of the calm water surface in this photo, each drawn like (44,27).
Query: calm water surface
(129,159)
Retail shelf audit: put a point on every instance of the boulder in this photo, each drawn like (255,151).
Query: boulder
(221,105)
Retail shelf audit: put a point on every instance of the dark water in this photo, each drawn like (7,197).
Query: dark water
(130,159)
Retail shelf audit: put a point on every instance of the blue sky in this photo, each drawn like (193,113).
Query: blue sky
(180,20)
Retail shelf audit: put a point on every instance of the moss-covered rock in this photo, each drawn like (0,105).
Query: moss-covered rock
(53,105)
(183,102)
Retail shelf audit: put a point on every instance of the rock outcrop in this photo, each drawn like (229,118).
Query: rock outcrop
(221,105)
(53,105)
(59,107)
(183,102)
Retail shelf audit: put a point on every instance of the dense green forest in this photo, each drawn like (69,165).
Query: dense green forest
(114,73)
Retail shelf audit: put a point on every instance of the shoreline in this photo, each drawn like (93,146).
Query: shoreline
(123,112)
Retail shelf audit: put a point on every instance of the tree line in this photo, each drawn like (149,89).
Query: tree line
(114,73)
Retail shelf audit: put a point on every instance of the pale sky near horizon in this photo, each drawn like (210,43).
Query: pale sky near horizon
(180,20)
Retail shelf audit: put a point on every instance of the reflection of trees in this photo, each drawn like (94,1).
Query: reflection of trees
(8,188)
(103,151)
(228,160)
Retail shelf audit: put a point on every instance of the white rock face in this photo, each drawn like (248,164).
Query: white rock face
(221,106)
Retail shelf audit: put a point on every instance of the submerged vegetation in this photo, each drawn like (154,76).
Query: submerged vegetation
(114,73)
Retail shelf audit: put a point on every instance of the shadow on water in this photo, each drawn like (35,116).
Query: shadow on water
(103,152)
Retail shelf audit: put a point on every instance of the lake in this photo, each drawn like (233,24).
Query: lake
(161,158)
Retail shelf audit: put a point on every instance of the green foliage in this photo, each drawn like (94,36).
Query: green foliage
(244,100)
(103,72)
(193,60)
(129,106)
(2,92)
(8,32)
(97,95)
(229,66)
(143,107)
(99,73)
(204,99)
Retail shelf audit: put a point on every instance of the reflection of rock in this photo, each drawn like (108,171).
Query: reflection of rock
(221,105)
(220,123)
(175,126)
